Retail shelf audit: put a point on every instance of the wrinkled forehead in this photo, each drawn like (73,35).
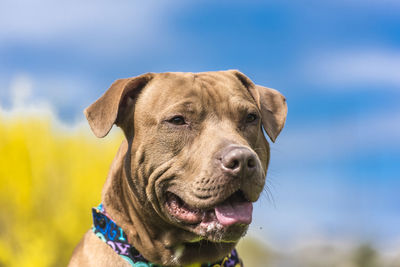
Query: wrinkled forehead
(208,89)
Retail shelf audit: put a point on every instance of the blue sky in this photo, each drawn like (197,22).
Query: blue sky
(335,168)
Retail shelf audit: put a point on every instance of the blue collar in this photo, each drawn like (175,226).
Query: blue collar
(113,235)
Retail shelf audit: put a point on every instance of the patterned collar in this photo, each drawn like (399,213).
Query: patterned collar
(113,235)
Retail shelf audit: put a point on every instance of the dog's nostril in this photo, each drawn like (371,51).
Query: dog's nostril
(251,163)
(233,164)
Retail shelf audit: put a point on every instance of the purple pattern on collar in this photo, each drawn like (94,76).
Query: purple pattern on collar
(113,235)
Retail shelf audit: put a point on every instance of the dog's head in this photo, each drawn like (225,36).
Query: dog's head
(197,153)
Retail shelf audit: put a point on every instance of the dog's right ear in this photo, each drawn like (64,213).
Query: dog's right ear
(110,107)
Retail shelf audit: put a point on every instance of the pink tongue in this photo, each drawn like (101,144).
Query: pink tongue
(231,213)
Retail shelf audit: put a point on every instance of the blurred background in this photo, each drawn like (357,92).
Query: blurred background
(332,196)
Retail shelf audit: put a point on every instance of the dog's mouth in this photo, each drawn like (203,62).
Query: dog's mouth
(235,210)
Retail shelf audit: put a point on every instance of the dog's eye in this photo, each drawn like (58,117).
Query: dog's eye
(251,117)
(177,120)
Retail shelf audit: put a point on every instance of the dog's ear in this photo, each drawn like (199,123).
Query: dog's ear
(110,108)
(271,103)
(273,110)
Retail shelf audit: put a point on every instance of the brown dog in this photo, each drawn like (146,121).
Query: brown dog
(194,159)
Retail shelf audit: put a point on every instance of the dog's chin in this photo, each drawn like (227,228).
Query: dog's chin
(224,222)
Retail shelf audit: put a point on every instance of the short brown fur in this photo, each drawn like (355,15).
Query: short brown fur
(158,156)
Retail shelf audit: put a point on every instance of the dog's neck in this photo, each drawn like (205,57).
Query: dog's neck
(118,200)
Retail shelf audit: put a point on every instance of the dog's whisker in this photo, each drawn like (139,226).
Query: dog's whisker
(270,197)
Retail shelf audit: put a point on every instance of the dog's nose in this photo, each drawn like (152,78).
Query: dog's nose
(238,160)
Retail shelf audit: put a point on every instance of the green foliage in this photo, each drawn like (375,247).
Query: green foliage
(254,253)
(366,256)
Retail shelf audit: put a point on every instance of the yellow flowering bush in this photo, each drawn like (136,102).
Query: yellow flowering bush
(49,180)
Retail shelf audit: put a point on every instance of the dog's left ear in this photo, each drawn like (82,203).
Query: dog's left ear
(271,103)
(273,109)
(111,107)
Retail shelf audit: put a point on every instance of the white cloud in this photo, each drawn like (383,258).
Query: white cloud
(25,105)
(356,67)
(21,90)
(90,23)
(26,89)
